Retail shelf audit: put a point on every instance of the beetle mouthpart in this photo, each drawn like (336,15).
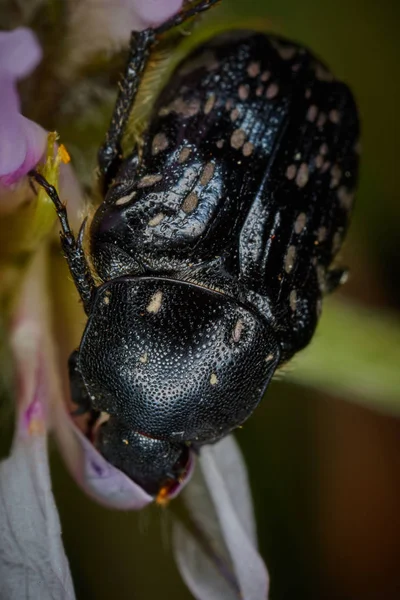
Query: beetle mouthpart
(152,463)
(171,489)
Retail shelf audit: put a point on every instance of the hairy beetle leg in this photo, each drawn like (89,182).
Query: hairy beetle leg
(109,155)
(72,247)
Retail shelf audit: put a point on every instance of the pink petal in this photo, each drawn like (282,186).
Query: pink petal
(98,478)
(219,502)
(20,52)
(154,12)
(22,142)
(111,23)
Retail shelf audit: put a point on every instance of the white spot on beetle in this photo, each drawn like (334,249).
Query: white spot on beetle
(291,172)
(237,330)
(209,105)
(272,91)
(336,173)
(106,300)
(307,93)
(319,161)
(321,276)
(312,113)
(302,175)
(334,116)
(269,358)
(155,302)
(213,379)
(184,154)
(243,92)
(324,149)
(253,69)
(248,149)
(149,180)
(126,442)
(185,108)
(156,220)
(293,300)
(322,74)
(260,90)
(286,52)
(125,199)
(207,173)
(345,197)
(160,143)
(190,203)
(238,138)
(300,223)
(265,76)
(290,258)
(220,143)
(144,358)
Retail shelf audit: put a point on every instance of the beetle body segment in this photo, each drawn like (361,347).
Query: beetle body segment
(174,360)
(245,181)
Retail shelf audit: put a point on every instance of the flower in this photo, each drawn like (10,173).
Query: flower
(22,141)
(111,23)
(216,551)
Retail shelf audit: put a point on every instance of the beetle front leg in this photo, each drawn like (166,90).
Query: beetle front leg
(72,247)
(110,152)
(109,156)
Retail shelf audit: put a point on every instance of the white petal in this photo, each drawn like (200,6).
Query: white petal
(198,570)
(32,560)
(33,564)
(222,553)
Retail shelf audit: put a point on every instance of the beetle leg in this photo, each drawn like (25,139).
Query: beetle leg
(72,247)
(109,156)
(109,153)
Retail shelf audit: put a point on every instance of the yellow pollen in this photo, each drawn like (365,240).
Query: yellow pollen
(64,155)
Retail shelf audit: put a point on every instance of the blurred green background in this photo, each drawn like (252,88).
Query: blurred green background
(325,472)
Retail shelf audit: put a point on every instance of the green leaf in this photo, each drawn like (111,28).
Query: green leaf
(355,353)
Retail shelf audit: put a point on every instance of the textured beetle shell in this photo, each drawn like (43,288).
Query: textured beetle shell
(244,183)
(175,361)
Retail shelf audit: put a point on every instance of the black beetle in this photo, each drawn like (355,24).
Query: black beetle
(213,244)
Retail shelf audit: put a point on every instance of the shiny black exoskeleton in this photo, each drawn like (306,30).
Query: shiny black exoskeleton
(214,244)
